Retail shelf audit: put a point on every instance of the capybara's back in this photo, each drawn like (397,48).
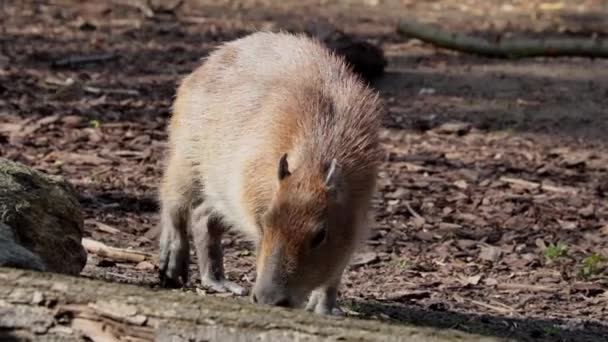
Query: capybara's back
(275,137)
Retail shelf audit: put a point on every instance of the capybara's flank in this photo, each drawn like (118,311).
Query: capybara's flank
(275,137)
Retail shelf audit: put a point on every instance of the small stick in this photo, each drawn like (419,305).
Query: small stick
(95,90)
(501,309)
(525,287)
(104,227)
(557,189)
(127,153)
(74,60)
(521,182)
(101,172)
(116,254)
(412,211)
(533,185)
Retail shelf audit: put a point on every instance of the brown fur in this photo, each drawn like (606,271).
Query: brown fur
(252,101)
(228,56)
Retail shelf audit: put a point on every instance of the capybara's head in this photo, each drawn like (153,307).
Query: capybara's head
(306,234)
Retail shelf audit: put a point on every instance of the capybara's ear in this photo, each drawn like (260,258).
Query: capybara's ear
(283,167)
(332,176)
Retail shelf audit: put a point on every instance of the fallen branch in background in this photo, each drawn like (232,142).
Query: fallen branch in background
(115,254)
(510,48)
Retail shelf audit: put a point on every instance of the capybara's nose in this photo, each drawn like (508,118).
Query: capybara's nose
(270,297)
(283,302)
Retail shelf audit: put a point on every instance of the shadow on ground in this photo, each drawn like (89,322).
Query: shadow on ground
(519,329)
(564,98)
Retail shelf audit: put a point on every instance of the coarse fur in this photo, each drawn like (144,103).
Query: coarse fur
(274,136)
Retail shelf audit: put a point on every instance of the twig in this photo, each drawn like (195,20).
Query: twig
(521,182)
(100,172)
(95,90)
(104,227)
(128,154)
(503,305)
(412,211)
(116,254)
(193,20)
(552,188)
(525,287)
(148,9)
(74,60)
(533,185)
(140,5)
(501,309)
(119,275)
(512,48)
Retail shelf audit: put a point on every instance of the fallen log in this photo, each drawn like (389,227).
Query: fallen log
(506,48)
(44,306)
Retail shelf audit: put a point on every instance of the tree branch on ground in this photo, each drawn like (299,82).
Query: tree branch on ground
(508,48)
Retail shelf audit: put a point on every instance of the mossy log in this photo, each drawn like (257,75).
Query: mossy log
(51,307)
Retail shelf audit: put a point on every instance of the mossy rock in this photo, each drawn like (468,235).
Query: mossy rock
(44,215)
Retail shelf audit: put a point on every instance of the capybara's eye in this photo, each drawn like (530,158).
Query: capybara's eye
(319,238)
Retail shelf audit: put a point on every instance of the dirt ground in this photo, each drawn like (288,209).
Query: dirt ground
(488,162)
